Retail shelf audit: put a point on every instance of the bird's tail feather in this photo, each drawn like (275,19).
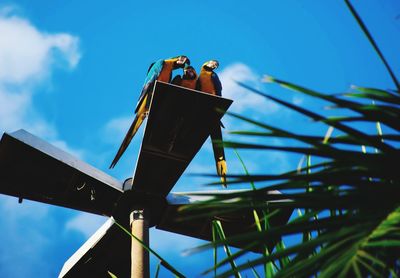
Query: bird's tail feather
(128,138)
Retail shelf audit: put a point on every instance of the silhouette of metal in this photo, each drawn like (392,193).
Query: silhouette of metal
(179,122)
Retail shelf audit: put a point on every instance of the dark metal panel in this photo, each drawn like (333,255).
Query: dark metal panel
(31,168)
(106,250)
(109,248)
(180,120)
(233,223)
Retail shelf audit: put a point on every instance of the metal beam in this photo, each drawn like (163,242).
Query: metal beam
(234,223)
(179,122)
(33,169)
(109,250)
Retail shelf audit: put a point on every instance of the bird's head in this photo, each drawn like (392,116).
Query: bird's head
(181,61)
(189,72)
(211,65)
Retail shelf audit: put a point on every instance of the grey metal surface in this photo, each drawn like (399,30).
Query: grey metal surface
(180,120)
(31,168)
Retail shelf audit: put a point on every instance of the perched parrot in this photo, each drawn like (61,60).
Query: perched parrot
(160,70)
(209,82)
(188,80)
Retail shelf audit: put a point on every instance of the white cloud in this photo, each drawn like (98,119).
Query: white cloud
(27,58)
(64,146)
(27,54)
(243,98)
(12,108)
(116,128)
(16,212)
(19,229)
(85,223)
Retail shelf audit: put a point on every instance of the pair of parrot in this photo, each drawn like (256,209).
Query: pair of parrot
(207,82)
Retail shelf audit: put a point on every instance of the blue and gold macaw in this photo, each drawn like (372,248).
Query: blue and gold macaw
(209,82)
(188,79)
(160,70)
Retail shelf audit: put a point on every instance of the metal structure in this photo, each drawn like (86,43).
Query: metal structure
(179,122)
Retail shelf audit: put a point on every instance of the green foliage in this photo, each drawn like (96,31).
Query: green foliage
(219,232)
(351,220)
(112,275)
(348,203)
(157,270)
(163,262)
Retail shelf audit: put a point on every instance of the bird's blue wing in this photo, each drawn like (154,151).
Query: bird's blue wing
(151,65)
(217,83)
(152,74)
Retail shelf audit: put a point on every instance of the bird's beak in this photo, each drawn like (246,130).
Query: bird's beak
(216,65)
(183,60)
(213,65)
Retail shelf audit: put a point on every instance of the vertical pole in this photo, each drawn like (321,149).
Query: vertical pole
(139,256)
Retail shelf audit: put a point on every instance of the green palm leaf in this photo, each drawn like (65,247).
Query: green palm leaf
(349,200)
(373,43)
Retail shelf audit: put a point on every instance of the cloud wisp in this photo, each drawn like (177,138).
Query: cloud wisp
(28,56)
(244,100)
(85,223)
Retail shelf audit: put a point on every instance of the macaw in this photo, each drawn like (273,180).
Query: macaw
(160,70)
(209,82)
(188,80)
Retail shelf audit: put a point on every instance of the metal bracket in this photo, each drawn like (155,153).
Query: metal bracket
(137,214)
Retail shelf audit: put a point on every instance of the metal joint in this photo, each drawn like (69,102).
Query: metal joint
(137,214)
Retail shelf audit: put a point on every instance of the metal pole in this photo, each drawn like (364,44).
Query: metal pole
(139,256)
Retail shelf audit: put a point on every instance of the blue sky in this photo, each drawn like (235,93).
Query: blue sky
(71,72)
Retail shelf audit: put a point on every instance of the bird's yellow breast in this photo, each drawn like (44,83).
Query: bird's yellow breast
(206,82)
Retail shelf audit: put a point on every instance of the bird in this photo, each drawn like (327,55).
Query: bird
(188,79)
(160,70)
(208,82)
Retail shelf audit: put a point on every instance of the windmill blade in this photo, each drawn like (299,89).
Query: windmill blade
(107,250)
(179,122)
(31,168)
(235,223)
